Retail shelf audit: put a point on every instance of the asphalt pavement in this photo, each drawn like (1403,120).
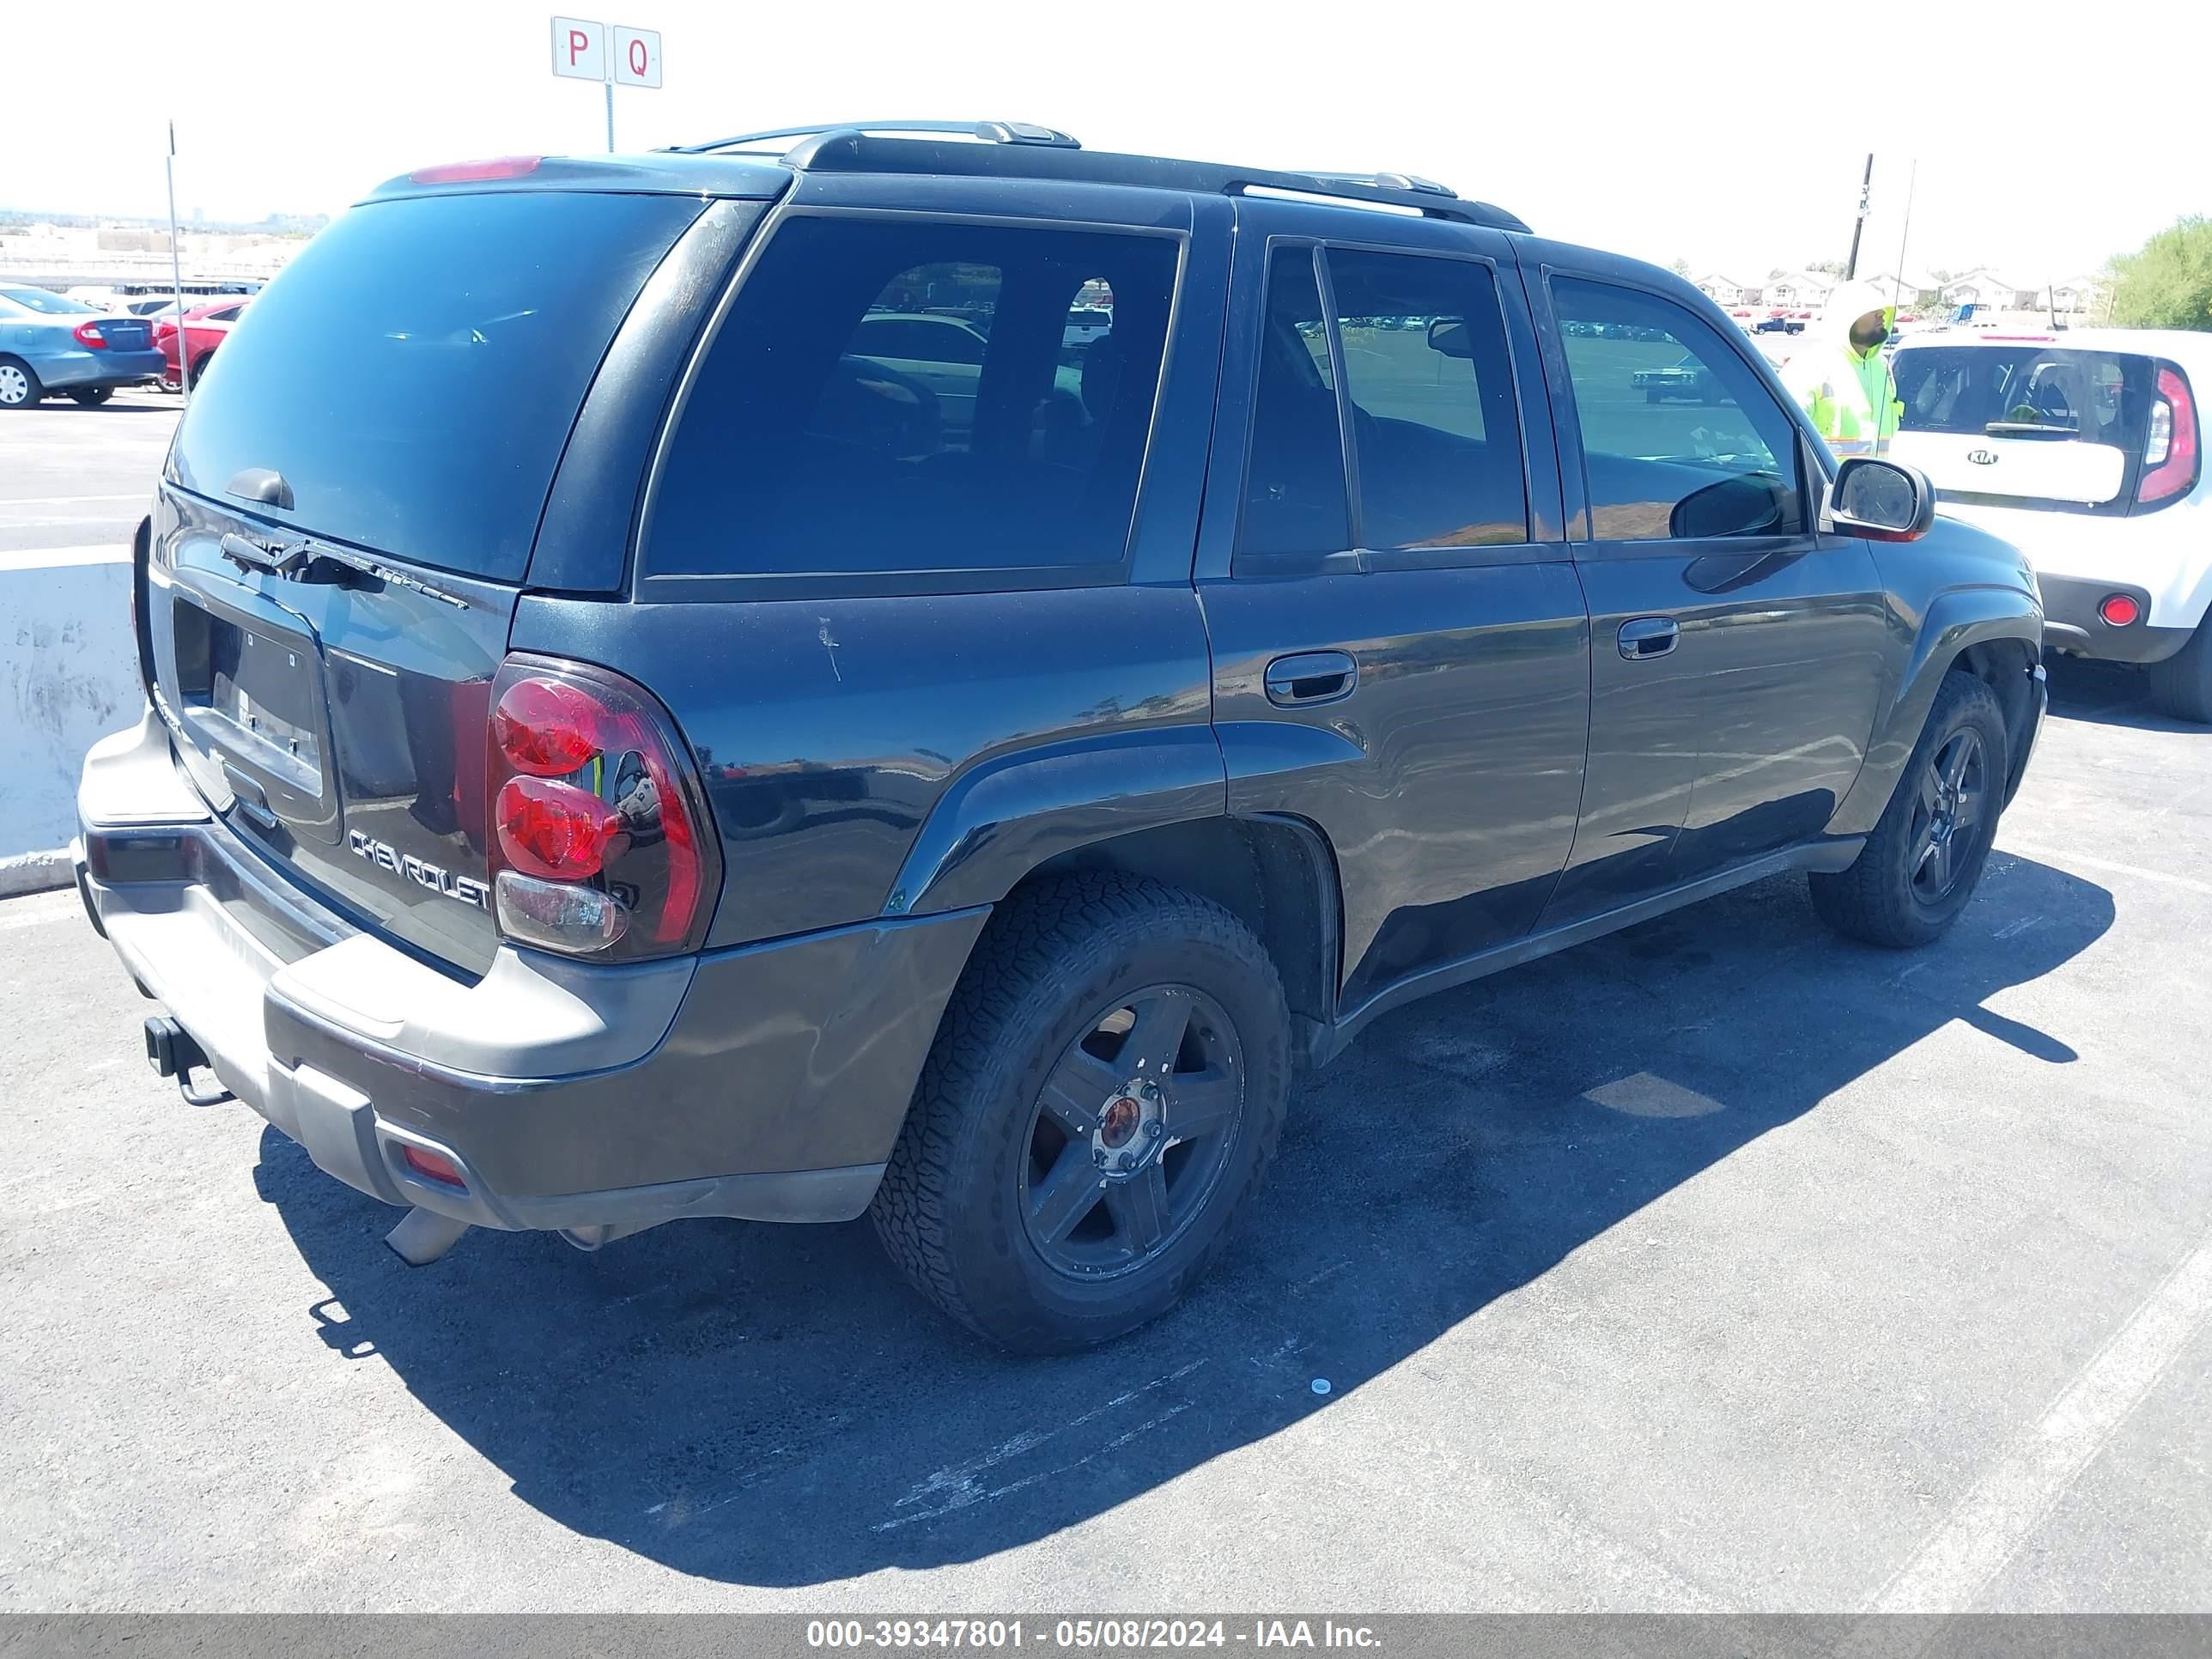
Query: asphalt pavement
(1719,1265)
(80,478)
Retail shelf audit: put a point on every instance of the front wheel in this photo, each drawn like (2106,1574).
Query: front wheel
(1920,865)
(1102,1103)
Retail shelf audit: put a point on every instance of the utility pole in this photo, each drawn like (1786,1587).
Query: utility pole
(1859,229)
(177,270)
(1904,240)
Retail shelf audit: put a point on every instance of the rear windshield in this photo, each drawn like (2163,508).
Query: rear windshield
(414,372)
(2028,391)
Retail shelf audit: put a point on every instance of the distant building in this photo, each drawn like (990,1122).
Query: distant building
(1799,290)
(1727,291)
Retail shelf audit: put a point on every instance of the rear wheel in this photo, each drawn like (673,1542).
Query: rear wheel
(2182,685)
(1102,1101)
(1921,865)
(93,397)
(19,386)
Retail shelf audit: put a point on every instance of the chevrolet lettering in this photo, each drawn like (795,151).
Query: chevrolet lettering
(385,856)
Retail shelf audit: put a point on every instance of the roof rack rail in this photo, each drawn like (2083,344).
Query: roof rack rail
(990,132)
(1016,149)
(1411,181)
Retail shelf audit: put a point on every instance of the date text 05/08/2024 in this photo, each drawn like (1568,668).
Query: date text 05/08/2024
(1087,1635)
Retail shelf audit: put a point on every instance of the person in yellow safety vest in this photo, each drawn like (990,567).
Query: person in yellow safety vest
(1839,374)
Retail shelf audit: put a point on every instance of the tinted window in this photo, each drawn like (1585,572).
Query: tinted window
(1680,438)
(2042,393)
(1294,495)
(891,395)
(414,372)
(1434,429)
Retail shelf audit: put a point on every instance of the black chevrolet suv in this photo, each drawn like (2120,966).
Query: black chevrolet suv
(923,670)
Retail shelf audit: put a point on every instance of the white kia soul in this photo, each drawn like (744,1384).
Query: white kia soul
(2085,450)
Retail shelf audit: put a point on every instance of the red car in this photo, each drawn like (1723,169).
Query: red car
(205,327)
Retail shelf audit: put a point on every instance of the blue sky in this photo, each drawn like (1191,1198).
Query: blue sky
(1726,138)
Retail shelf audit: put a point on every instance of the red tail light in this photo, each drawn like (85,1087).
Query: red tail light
(2170,450)
(552,828)
(88,334)
(600,842)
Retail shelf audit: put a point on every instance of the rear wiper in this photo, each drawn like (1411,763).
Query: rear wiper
(2028,430)
(305,561)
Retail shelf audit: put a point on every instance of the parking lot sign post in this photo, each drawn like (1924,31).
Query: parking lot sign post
(584,50)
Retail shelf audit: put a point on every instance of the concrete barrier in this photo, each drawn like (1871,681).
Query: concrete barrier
(69,674)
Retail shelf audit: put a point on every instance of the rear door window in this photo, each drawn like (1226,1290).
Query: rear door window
(1295,498)
(415,371)
(894,396)
(2024,423)
(1434,428)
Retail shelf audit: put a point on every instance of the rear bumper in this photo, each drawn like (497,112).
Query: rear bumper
(2071,624)
(86,371)
(768,1081)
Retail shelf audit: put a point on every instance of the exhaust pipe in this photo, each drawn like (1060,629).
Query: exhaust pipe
(423,1235)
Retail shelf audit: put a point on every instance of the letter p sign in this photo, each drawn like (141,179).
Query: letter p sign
(580,48)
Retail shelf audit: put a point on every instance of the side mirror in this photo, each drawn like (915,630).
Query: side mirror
(1879,502)
(1449,336)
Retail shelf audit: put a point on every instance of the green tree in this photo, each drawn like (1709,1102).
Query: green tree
(1825,267)
(2167,282)
(1680,267)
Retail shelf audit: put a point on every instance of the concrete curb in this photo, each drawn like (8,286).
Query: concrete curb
(35,872)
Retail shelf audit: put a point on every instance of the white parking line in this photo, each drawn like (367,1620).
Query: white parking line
(60,500)
(2052,856)
(1990,1523)
(34,558)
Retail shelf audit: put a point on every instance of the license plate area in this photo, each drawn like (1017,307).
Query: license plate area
(253,697)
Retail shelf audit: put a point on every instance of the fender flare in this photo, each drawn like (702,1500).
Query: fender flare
(1003,818)
(1956,620)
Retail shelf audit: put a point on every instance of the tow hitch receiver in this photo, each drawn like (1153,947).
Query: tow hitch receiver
(172,1051)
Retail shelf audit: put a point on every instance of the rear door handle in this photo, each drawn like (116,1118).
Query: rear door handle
(1310,677)
(1648,636)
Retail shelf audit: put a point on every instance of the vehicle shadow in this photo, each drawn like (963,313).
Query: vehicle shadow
(2108,693)
(769,1406)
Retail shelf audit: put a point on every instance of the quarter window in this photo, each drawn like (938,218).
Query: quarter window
(1681,439)
(908,396)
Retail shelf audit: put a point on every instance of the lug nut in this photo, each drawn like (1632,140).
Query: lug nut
(1098,1155)
(1156,1128)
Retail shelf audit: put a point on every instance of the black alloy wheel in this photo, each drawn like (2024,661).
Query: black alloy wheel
(1132,1131)
(1953,785)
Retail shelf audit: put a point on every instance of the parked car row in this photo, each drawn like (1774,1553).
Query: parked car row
(53,345)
